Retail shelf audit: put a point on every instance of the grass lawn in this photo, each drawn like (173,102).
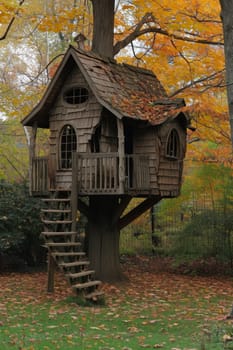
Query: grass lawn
(154,310)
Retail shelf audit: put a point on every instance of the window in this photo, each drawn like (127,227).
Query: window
(76,95)
(173,145)
(68,144)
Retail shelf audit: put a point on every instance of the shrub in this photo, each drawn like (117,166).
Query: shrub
(207,235)
(20,224)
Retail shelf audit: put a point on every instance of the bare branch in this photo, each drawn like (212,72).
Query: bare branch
(134,34)
(197,81)
(148,19)
(218,130)
(37,76)
(182,56)
(146,51)
(200,20)
(11,21)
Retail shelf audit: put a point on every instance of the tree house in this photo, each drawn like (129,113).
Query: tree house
(113,132)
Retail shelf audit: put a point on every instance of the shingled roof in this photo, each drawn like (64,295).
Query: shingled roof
(125,90)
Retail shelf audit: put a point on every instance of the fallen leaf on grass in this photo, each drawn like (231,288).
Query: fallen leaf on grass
(145,345)
(227,337)
(133,329)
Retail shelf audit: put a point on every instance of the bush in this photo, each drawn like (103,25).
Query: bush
(207,235)
(20,224)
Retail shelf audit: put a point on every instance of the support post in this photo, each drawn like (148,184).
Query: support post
(32,152)
(51,273)
(139,210)
(74,193)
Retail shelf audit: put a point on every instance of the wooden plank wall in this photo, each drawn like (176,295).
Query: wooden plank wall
(39,176)
(170,170)
(84,119)
(146,142)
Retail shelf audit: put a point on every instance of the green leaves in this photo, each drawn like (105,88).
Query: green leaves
(20,223)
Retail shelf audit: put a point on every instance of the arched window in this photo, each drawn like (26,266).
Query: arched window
(173,145)
(68,144)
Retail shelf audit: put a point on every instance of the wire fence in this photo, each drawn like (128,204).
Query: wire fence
(199,227)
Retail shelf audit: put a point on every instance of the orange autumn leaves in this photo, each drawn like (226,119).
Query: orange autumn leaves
(182,44)
(154,309)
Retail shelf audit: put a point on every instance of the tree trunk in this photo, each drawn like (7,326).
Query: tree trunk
(103,17)
(227,20)
(103,238)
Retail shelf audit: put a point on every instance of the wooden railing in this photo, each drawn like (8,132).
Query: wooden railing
(137,172)
(39,176)
(97,173)
(100,173)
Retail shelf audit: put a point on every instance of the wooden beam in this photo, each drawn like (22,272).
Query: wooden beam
(83,207)
(121,207)
(139,210)
(51,273)
(74,194)
(32,153)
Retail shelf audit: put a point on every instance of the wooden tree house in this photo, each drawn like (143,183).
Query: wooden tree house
(113,131)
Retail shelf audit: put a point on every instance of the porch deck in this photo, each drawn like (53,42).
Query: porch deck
(95,174)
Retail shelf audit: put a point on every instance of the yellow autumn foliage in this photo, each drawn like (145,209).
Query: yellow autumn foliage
(185,50)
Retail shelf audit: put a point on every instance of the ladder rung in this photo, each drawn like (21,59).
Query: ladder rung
(81,274)
(87,284)
(70,254)
(51,234)
(63,244)
(55,210)
(94,295)
(74,263)
(48,222)
(55,199)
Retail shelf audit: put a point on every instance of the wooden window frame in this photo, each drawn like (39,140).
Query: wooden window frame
(75,96)
(67,145)
(173,145)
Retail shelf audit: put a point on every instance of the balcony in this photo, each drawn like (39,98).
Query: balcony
(97,173)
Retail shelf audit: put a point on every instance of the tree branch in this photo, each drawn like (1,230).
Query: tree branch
(147,19)
(133,35)
(218,130)
(13,166)
(11,21)
(196,82)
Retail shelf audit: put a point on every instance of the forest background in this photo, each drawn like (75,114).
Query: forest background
(182,42)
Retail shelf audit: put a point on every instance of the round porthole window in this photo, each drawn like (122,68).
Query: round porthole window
(76,95)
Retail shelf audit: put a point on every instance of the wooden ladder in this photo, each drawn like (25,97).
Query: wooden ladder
(65,248)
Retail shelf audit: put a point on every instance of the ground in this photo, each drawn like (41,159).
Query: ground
(154,309)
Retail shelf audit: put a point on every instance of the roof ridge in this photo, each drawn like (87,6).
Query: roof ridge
(109,60)
(138,69)
(95,55)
